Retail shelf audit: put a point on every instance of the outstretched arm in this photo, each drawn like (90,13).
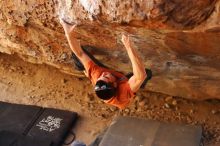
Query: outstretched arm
(139,73)
(74,44)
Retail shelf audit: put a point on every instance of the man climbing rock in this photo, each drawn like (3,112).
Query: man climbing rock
(109,85)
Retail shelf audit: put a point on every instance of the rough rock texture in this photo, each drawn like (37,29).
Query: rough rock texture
(179,40)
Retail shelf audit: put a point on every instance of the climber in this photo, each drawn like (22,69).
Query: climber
(111,86)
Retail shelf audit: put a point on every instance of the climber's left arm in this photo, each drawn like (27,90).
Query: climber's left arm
(139,73)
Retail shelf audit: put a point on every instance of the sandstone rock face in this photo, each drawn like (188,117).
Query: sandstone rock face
(178,40)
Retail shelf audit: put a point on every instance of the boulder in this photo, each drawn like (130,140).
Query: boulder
(178,40)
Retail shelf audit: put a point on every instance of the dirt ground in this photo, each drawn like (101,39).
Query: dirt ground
(42,85)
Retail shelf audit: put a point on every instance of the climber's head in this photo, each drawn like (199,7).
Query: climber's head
(105,87)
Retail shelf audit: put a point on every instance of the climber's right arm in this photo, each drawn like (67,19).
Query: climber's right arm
(74,44)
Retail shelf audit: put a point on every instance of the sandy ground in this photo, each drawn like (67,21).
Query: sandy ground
(42,85)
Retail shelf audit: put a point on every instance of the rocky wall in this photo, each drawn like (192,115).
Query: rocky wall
(179,40)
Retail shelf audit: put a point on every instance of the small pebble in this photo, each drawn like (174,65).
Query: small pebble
(139,110)
(19,68)
(167,105)
(127,110)
(174,102)
(214,112)
(112,109)
(189,120)
(176,108)
(63,56)
(168,98)
(192,111)
(142,103)
(26,74)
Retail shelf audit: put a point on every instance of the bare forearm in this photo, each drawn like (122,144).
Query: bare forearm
(137,63)
(74,45)
(138,67)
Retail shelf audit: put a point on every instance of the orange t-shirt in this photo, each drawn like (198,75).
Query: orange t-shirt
(123,94)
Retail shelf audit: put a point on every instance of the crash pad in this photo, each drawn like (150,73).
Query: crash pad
(131,131)
(21,124)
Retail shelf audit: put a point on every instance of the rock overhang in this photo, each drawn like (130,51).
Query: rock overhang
(178,40)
